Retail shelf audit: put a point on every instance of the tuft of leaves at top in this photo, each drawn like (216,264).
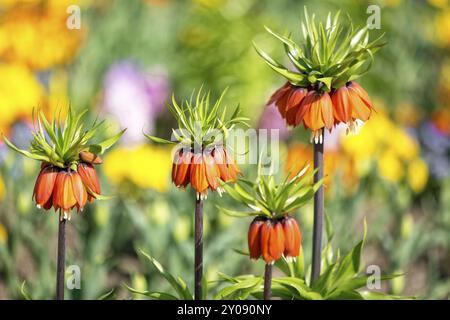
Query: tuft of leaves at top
(60,143)
(330,55)
(200,122)
(266,197)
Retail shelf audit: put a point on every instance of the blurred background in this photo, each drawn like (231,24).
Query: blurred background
(124,64)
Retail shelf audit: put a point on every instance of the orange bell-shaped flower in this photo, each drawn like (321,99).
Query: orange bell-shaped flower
(254,238)
(292,238)
(43,188)
(351,102)
(90,179)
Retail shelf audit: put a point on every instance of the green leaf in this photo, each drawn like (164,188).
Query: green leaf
(284,266)
(293,77)
(374,295)
(152,294)
(242,289)
(298,287)
(23,291)
(180,288)
(105,145)
(159,140)
(107,296)
(235,214)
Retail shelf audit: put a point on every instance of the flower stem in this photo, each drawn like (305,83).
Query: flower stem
(198,275)
(318,212)
(268,282)
(61,260)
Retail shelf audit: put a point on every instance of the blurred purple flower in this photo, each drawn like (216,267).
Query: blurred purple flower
(21,134)
(272,119)
(134,98)
(436,146)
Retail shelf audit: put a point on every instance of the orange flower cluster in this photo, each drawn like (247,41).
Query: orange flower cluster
(203,170)
(318,110)
(66,189)
(274,238)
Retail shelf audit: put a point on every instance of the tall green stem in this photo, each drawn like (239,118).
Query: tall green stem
(268,282)
(198,275)
(318,212)
(61,260)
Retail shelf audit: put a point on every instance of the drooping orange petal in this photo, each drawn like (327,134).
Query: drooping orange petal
(69,200)
(44,185)
(89,177)
(313,117)
(233,169)
(361,104)
(48,205)
(280,98)
(341,104)
(292,237)
(254,241)
(212,172)
(198,174)
(276,243)
(220,160)
(279,92)
(180,168)
(79,190)
(175,165)
(266,230)
(354,86)
(359,109)
(326,107)
(293,104)
(64,197)
(305,107)
(58,190)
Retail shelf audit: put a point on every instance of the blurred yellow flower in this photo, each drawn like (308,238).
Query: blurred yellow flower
(2,188)
(58,99)
(417,175)
(403,145)
(3,234)
(146,166)
(390,166)
(439,3)
(442,28)
(37,35)
(19,93)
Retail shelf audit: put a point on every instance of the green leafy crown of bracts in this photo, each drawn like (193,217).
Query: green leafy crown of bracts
(330,55)
(266,197)
(61,143)
(200,122)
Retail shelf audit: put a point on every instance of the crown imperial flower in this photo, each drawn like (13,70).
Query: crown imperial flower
(67,179)
(273,233)
(201,158)
(273,239)
(321,91)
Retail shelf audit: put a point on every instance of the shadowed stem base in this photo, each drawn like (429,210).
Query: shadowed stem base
(318,212)
(61,260)
(268,282)
(198,275)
